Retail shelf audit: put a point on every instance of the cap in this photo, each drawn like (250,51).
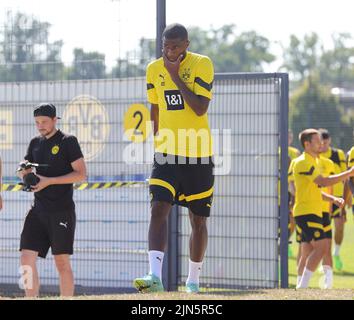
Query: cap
(45,109)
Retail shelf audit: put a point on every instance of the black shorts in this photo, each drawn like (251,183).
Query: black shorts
(188,182)
(44,230)
(327,225)
(309,227)
(336,211)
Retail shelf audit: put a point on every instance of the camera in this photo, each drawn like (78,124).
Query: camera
(30,179)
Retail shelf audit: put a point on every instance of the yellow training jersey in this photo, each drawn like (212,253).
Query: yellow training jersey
(308,197)
(338,158)
(350,163)
(326,169)
(181,131)
(351,158)
(293,153)
(291,174)
(291,171)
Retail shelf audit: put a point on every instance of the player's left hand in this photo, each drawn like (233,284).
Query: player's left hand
(339,202)
(172,66)
(43,183)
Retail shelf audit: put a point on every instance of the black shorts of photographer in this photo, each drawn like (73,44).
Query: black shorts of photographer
(53,162)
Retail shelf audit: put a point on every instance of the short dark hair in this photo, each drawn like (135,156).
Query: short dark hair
(45,109)
(324,134)
(175,31)
(306,135)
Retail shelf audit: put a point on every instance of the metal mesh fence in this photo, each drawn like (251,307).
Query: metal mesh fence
(92,93)
(112,223)
(243,227)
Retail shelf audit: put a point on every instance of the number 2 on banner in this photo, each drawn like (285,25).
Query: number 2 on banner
(137,126)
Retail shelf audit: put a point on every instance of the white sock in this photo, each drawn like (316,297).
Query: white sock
(305,279)
(328,272)
(155,262)
(336,250)
(194,272)
(320,269)
(298,279)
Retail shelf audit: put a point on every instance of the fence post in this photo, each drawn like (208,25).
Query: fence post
(170,266)
(284,210)
(160,25)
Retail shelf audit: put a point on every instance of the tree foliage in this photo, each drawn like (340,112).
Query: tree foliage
(313,106)
(25,52)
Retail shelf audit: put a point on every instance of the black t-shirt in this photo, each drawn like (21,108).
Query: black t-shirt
(58,152)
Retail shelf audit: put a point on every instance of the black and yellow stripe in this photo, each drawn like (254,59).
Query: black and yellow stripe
(197,196)
(203,84)
(85,185)
(308,173)
(181,197)
(149,86)
(162,183)
(11,187)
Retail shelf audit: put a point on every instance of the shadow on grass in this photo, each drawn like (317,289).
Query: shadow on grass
(240,292)
(344,273)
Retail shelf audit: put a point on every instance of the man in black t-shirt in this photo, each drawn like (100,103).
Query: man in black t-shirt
(50,223)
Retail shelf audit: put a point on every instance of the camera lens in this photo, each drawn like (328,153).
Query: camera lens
(30,179)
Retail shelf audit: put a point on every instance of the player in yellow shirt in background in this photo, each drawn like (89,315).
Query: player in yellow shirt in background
(327,169)
(308,204)
(293,153)
(338,157)
(292,192)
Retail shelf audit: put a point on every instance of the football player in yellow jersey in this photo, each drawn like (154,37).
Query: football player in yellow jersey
(292,192)
(292,154)
(338,157)
(179,89)
(308,204)
(326,169)
(350,158)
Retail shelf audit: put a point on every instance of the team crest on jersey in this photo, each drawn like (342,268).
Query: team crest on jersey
(186,74)
(317,234)
(162,78)
(55,150)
